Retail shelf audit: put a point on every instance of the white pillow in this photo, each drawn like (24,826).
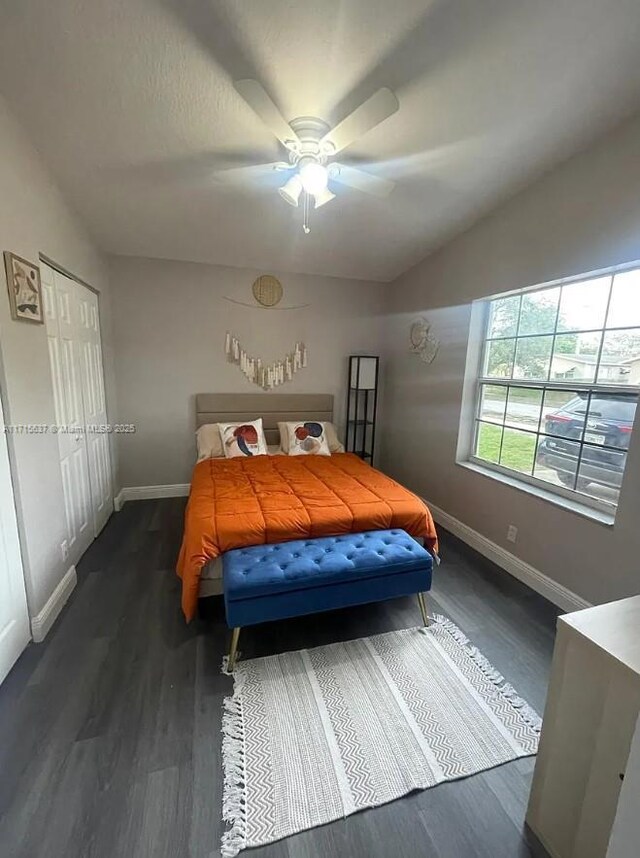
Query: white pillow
(306,438)
(329,430)
(243,439)
(335,446)
(209,443)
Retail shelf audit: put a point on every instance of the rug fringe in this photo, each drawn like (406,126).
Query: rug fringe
(526,712)
(233,763)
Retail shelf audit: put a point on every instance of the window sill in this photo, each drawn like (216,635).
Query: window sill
(584,510)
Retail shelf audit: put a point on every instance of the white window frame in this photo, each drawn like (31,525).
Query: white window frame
(475,379)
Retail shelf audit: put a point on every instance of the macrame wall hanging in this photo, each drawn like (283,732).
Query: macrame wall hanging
(266,376)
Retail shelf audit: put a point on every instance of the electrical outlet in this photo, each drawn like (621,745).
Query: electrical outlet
(512,533)
(64,548)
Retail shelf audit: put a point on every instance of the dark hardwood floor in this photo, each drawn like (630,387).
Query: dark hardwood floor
(110,730)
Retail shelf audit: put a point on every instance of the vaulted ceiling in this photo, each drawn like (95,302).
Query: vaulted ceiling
(132,106)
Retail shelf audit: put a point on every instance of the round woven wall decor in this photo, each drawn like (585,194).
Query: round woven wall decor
(267,290)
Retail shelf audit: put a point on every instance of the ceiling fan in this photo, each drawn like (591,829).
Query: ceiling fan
(312,145)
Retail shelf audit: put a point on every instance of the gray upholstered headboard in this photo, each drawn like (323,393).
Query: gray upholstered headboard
(272,407)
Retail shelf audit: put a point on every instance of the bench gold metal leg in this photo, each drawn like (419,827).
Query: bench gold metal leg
(423,608)
(233,652)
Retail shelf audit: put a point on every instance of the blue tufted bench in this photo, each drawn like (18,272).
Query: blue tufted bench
(272,582)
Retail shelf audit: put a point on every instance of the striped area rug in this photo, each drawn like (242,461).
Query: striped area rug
(313,736)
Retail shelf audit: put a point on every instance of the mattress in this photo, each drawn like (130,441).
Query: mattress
(211,579)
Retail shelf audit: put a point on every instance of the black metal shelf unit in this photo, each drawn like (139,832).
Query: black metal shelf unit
(362,402)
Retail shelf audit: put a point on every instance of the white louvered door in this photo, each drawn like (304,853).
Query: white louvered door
(61,312)
(73,331)
(95,408)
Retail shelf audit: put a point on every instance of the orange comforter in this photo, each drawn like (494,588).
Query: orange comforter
(238,502)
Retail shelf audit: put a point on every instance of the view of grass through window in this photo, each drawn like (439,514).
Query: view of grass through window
(559,384)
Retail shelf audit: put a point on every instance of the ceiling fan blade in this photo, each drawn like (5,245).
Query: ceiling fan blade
(361,181)
(262,105)
(249,175)
(372,112)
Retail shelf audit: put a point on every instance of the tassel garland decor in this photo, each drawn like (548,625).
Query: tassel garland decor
(266,376)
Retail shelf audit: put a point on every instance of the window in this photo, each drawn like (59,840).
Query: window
(559,383)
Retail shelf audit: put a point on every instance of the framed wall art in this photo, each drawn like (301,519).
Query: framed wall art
(25,292)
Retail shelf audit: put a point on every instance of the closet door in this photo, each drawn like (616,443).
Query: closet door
(95,408)
(61,315)
(14,619)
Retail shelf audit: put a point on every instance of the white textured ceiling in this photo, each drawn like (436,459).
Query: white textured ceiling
(131,104)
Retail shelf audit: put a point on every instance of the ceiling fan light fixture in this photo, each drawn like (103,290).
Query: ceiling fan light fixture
(323,197)
(311,145)
(291,190)
(314,177)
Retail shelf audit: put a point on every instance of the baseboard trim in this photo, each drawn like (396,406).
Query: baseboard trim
(542,584)
(131,493)
(43,621)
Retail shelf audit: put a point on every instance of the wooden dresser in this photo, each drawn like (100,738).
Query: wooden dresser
(592,708)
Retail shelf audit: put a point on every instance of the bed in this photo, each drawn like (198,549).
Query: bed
(236,503)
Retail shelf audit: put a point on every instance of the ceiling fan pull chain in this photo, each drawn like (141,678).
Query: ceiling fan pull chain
(305,212)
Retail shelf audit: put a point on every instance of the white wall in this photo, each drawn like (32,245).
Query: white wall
(582,216)
(35,219)
(170,320)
